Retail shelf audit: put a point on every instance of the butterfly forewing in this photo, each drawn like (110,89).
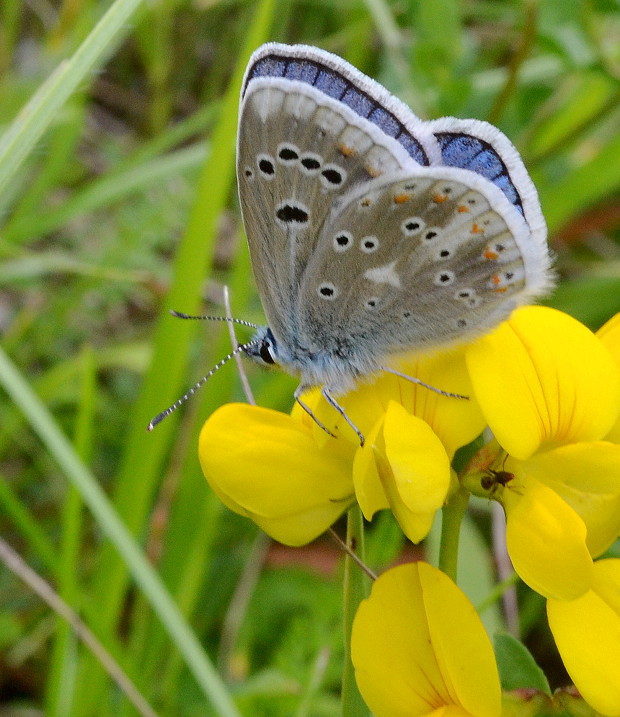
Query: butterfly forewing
(299,153)
(414,264)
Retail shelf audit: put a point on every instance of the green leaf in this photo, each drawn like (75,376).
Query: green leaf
(517,667)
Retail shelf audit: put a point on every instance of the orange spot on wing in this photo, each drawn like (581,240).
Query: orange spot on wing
(347,151)
(490,254)
(477,229)
(401,198)
(373,171)
(496,280)
(439,198)
(462,208)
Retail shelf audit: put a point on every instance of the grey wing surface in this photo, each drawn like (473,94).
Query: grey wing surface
(299,152)
(428,259)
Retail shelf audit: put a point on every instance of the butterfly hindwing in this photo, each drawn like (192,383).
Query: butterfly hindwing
(418,262)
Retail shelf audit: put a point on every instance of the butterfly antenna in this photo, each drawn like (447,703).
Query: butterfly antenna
(228,319)
(164,414)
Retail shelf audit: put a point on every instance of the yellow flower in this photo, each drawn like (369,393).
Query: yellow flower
(609,334)
(550,392)
(266,465)
(419,648)
(587,633)
(412,435)
(403,466)
(293,479)
(543,380)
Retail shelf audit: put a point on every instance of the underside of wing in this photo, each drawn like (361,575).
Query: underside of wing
(480,147)
(428,259)
(299,152)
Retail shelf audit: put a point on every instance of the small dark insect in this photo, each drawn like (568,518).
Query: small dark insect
(493,479)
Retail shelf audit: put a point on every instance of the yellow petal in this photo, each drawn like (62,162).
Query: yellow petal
(546,541)
(587,633)
(369,490)
(417,480)
(394,662)
(303,527)
(587,477)
(331,419)
(416,526)
(363,406)
(609,334)
(406,663)
(542,378)
(266,465)
(418,460)
(456,421)
(606,582)
(464,653)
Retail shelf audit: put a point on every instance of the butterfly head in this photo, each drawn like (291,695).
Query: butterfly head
(263,347)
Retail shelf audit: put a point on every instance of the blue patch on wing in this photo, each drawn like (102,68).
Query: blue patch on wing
(359,103)
(331,85)
(468,152)
(339,87)
(386,120)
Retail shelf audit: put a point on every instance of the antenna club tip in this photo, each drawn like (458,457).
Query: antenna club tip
(154,421)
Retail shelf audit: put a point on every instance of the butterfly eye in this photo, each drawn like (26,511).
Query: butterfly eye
(265,352)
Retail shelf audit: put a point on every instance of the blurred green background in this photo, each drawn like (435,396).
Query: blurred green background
(117,203)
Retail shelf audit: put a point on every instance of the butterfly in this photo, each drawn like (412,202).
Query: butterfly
(372,232)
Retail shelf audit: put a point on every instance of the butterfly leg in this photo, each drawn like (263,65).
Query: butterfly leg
(334,404)
(298,391)
(421,383)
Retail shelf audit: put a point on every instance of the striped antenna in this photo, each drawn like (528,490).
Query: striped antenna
(228,319)
(240,349)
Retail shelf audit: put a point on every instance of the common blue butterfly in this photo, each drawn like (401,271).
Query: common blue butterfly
(371,231)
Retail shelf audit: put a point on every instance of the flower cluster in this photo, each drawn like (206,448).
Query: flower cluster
(548,390)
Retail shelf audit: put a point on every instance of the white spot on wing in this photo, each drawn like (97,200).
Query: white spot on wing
(299,106)
(352,137)
(384,275)
(327,120)
(379,160)
(266,102)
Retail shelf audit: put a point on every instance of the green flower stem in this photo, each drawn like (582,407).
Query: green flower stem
(355,590)
(497,592)
(452,515)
